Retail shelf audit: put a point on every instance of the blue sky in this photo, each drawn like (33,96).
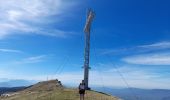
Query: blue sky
(44,38)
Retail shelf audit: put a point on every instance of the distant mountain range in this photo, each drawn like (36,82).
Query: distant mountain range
(16,83)
(12,89)
(138,94)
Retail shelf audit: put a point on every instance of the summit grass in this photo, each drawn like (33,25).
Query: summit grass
(53,90)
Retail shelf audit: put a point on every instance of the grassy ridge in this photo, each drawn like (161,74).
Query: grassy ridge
(65,94)
(53,91)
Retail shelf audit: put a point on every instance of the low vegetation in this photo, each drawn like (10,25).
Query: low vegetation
(53,90)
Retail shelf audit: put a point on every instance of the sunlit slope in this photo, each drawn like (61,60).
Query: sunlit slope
(52,90)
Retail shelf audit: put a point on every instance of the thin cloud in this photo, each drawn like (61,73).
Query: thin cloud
(149,59)
(31,17)
(33,59)
(10,50)
(153,54)
(158,45)
(155,47)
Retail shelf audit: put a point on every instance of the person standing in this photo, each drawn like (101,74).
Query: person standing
(82,90)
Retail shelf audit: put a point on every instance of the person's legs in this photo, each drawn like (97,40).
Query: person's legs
(83,97)
(80,95)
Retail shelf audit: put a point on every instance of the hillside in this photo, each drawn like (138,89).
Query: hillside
(10,89)
(53,90)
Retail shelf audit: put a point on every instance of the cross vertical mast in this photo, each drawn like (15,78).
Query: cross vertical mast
(89,20)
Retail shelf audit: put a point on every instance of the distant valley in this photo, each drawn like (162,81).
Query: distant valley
(138,94)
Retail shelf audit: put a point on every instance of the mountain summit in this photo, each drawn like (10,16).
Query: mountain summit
(53,90)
